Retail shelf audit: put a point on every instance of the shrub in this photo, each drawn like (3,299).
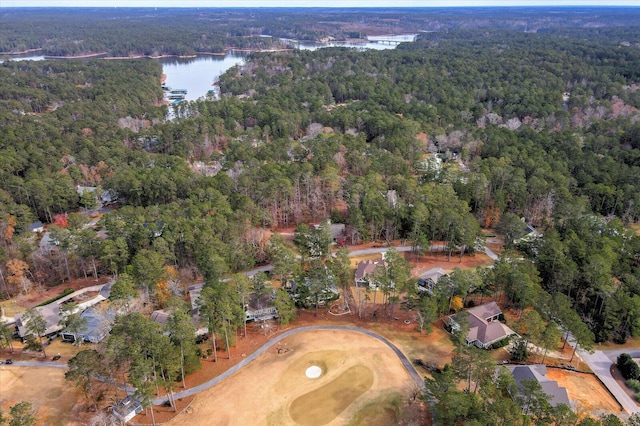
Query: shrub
(519,352)
(638,396)
(628,367)
(634,384)
(500,343)
(60,296)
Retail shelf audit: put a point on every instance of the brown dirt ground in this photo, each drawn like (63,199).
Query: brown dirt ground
(585,389)
(268,404)
(45,388)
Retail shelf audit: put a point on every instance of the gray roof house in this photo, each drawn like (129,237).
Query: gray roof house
(127,408)
(160,316)
(484,326)
(36,227)
(98,324)
(557,394)
(52,311)
(429,279)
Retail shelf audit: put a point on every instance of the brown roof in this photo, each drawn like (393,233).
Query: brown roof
(486,332)
(366,267)
(161,316)
(486,310)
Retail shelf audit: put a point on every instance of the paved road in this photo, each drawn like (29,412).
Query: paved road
(362,252)
(435,247)
(405,362)
(51,364)
(600,363)
(196,389)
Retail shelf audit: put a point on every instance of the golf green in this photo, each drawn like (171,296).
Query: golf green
(325,403)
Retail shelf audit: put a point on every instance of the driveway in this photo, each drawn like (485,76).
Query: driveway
(50,364)
(600,363)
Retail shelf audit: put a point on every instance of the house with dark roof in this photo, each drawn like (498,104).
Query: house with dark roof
(364,269)
(36,227)
(557,394)
(97,325)
(338,230)
(485,328)
(429,279)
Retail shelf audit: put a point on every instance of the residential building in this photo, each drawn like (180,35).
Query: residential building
(366,268)
(429,279)
(557,394)
(127,408)
(485,327)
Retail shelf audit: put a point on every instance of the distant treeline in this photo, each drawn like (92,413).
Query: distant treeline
(154,32)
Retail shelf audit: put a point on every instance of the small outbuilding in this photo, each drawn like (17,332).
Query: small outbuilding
(36,227)
(127,408)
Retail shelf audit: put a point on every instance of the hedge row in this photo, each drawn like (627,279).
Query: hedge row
(60,296)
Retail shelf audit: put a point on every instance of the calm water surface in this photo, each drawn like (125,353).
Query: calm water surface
(198,74)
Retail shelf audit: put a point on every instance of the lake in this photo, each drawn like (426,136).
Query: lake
(198,74)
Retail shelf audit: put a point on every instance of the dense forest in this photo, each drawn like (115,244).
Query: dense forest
(126,32)
(429,142)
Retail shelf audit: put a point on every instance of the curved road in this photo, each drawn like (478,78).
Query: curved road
(192,391)
(405,362)
(206,385)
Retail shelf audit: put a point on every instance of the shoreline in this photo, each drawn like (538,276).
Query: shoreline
(88,55)
(24,52)
(102,55)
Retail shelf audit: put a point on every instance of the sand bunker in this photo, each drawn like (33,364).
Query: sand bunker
(313,372)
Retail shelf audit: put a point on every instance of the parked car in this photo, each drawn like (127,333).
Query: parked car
(9,361)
